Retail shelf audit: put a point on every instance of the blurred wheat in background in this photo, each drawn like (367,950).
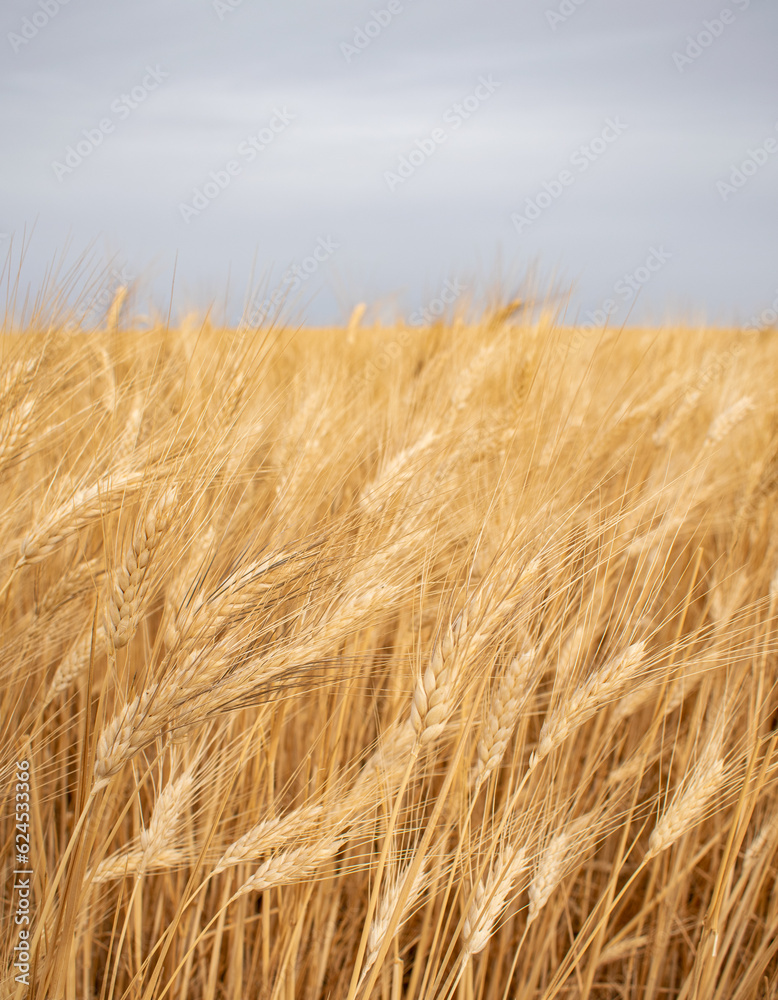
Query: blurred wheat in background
(449,675)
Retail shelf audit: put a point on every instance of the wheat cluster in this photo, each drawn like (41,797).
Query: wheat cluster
(350,671)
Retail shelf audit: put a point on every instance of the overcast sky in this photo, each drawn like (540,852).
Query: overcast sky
(398,146)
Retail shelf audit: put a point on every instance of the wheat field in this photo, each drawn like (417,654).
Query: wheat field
(389,662)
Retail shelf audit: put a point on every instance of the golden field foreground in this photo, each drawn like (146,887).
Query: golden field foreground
(389,662)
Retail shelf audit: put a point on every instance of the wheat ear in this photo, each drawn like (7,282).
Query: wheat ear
(490,897)
(154,849)
(13,427)
(167,814)
(83,508)
(586,700)
(398,471)
(560,855)
(135,862)
(269,834)
(391,899)
(728,420)
(126,444)
(759,845)
(124,604)
(433,694)
(469,376)
(70,667)
(127,730)
(512,693)
(291,866)
(688,805)
(549,873)
(385,765)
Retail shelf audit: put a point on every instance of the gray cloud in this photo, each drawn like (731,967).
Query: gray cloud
(357,115)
